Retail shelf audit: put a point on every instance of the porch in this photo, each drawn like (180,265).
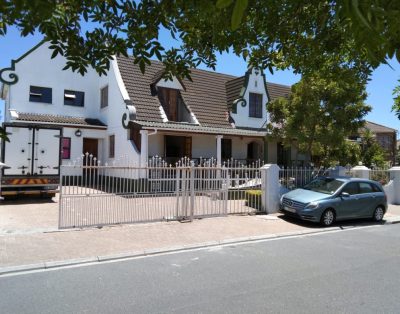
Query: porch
(199,148)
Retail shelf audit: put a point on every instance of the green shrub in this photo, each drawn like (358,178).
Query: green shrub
(253,199)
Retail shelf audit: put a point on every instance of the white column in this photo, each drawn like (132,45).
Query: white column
(394,197)
(361,172)
(1,169)
(219,153)
(144,150)
(270,188)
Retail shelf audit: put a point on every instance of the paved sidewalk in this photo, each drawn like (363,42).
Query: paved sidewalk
(29,235)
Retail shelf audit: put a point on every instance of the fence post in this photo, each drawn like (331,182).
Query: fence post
(192,190)
(394,197)
(2,165)
(270,188)
(338,171)
(361,172)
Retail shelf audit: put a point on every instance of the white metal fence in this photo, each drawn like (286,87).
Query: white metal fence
(93,194)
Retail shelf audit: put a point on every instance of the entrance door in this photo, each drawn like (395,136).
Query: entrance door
(177,147)
(90,145)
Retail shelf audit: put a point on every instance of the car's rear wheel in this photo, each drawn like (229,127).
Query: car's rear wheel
(379,212)
(327,217)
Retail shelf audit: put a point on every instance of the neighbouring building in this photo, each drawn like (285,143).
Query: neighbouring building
(386,137)
(135,116)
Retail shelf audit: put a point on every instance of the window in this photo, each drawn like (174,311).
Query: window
(104,97)
(173,105)
(365,187)
(169,101)
(351,188)
(40,94)
(226,148)
(376,188)
(66,148)
(73,98)
(111,148)
(255,106)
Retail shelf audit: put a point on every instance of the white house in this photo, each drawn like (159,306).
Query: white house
(139,116)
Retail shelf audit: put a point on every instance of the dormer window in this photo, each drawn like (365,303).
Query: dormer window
(255,105)
(173,105)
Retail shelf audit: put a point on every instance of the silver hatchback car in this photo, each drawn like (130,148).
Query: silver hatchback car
(326,200)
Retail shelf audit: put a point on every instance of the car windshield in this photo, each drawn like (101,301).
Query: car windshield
(324,185)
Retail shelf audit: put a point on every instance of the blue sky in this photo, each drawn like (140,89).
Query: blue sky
(379,89)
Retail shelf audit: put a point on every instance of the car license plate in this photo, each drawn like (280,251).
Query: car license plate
(292,210)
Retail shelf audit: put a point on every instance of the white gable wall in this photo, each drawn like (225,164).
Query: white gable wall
(38,69)
(174,84)
(256,84)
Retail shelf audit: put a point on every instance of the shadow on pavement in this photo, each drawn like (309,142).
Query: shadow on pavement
(341,224)
(21,200)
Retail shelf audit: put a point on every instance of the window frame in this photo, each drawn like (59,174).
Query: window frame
(78,96)
(348,183)
(366,183)
(255,105)
(68,148)
(104,99)
(111,146)
(42,96)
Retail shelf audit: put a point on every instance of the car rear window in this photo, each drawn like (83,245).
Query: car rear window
(365,187)
(376,188)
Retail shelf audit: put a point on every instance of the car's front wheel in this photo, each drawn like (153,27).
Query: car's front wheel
(327,218)
(379,212)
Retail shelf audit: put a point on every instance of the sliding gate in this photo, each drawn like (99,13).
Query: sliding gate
(92,194)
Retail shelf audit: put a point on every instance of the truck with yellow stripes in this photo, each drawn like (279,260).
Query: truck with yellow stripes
(32,159)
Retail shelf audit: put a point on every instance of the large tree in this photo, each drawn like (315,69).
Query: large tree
(296,34)
(286,33)
(322,111)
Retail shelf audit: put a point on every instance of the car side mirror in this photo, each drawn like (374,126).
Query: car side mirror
(345,194)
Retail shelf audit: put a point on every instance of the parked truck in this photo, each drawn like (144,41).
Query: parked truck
(32,160)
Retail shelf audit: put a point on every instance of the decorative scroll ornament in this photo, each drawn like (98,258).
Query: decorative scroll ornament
(240,101)
(8,76)
(129,115)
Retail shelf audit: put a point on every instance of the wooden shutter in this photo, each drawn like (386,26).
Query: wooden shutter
(173,104)
(135,137)
(188,147)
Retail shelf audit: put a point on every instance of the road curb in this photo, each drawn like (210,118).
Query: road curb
(392,220)
(151,252)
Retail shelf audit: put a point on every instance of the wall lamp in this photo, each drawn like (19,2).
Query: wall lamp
(78,133)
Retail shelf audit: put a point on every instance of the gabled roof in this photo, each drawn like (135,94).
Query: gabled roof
(57,119)
(378,128)
(208,96)
(233,89)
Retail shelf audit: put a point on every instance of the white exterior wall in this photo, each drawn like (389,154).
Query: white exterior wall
(38,69)
(256,84)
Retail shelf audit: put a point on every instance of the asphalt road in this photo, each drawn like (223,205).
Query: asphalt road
(355,271)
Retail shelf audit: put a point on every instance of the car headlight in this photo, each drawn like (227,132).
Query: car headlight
(312,205)
(281,200)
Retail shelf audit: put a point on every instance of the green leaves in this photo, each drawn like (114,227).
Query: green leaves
(238,10)
(322,111)
(396,101)
(222,4)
